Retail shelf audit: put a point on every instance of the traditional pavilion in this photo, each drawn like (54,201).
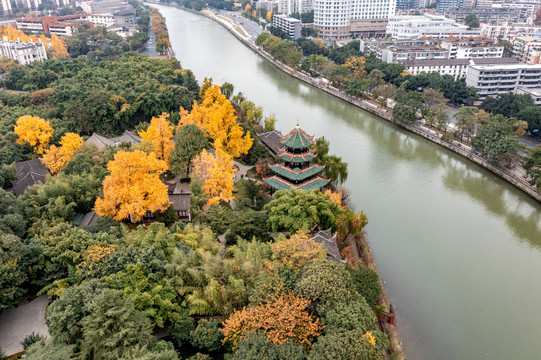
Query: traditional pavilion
(296,169)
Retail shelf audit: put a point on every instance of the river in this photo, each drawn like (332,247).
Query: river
(459,249)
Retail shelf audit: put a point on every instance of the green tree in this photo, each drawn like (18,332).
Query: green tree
(189,142)
(207,336)
(326,283)
(407,105)
(532,115)
(256,346)
(508,105)
(12,271)
(335,170)
(181,330)
(113,327)
(11,221)
(496,141)
(227,89)
(533,167)
(64,315)
(50,349)
(472,21)
(467,119)
(350,345)
(367,284)
(298,209)
(7,174)
(348,316)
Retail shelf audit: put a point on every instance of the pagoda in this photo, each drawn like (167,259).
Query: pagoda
(296,170)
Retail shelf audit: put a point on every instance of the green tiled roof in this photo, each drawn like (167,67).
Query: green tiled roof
(280,184)
(296,158)
(296,174)
(297,139)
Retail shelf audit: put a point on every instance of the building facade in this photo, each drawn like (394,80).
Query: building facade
(508,31)
(457,68)
(493,80)
(24,52)
(428,25)
(343,19)
(526,49)
(288,25)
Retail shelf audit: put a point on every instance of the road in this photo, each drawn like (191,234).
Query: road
(150,45)
(252,28)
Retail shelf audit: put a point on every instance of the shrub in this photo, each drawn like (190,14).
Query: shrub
(31,339)
(367,284)
(207,336)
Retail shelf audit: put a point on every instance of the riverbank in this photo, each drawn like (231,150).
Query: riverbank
(428,134)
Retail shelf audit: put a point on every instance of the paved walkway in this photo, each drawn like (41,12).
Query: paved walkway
(241,173)
(16,323)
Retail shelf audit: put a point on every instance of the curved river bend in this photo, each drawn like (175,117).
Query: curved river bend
(458,248)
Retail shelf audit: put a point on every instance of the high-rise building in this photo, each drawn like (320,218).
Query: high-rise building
(444,5)
(288,7)
(341,19)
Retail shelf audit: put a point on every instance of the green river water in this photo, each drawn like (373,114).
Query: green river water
(457,247)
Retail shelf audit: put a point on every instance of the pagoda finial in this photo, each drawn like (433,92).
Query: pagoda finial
(297,123)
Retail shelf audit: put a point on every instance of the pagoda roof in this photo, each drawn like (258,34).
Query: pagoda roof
(296,173)
(297,139)
(284,155)
(281,184)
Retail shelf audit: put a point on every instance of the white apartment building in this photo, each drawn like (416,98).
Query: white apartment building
(535,93)
(526,49)
(102,19)
(288,7)
(332,17)
(289,25)
(24,52)
(468,49)
(339,19)
(508,31)
(455,67)
(428,25)
(492,80)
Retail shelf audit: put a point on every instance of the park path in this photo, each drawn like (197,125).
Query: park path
(16,323)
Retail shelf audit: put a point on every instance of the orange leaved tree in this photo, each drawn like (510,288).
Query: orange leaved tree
(298,250)
(217,173)
(160,135)
(133,186)
(34,130)
(282,318)
(56,157)
(216,116)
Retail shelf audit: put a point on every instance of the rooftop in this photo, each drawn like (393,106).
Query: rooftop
(296,173)
(508,67)
(272,139)
(297,139)
(29,173)
(280,184)
(325,238)
(102,141)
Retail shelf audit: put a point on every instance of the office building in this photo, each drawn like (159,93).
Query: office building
(428,26)
(288,25)
(24,52)
(492,80)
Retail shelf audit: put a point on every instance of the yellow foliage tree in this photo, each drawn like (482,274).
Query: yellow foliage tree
(133,186)
(217,117)
(34,130)
(202,164)
(55,158)
(281,319)
(160,135)
(217,173)
(297,251)
(269,16)
(59,47)
(247,8)
(220,183)
(336,197)
(356,65)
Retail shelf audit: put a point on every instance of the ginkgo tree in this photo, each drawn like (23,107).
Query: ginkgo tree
(133,186)
(160,135)
(34,130)
(56,157)
(217,173)
(216,116)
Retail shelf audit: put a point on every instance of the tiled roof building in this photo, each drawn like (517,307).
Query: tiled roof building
(296,169)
